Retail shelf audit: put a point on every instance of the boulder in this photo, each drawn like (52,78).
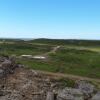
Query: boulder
(70,94)
(86,88)
(50,96)
(1,73)
(6,64)
(97,96)
(35,73)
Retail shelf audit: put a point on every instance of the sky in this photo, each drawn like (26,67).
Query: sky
(64,19)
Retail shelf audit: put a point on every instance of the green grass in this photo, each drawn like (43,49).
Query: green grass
(70,61)
(67,82)
(21,48)
(79,59)
(79,62)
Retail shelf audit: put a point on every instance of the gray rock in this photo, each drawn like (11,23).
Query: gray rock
(6,64)
(70,94)
(86,88)
(20,66)
(96,97)
(50,96)
(1,73)
(35,72)
(2,93)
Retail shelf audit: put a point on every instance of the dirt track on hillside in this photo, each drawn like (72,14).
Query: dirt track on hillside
(75,77)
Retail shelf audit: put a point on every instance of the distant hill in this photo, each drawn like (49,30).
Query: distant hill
(10,40)
(57,41)
(67,42)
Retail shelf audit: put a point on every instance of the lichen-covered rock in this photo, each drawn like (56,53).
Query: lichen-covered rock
(1,73)
(50,96)
(6,64)
(14,95)
(96,97)
(27,84)
(86,88)
(70,94)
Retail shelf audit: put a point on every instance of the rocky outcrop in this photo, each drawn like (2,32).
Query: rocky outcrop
(1,73)
(96,96)
(86,88)
(50,96)
(70,94)
(7,66)
(19,83)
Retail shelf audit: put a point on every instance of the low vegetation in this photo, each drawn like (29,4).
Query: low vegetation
(20,48)
(74,57)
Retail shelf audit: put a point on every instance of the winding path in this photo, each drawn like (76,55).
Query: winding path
(76,77)
(54,50)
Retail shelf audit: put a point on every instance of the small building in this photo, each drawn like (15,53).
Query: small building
(26,56)
(40,57)
(33,57)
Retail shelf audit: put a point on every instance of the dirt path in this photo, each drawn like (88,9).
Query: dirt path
(76,77)
(44,55)
(54,50)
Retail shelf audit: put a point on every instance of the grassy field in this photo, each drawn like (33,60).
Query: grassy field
(78,58)
(20,48)
(70,61)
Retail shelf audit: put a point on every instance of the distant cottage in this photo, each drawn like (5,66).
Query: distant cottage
(33,57)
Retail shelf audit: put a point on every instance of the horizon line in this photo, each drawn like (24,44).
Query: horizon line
(22,38)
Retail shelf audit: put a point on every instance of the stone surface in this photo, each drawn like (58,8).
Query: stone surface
(50,96)
(86,88)
(96,97)
(27,84)
(1,73)
(70,94)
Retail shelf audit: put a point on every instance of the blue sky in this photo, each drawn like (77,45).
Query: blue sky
(68,19)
